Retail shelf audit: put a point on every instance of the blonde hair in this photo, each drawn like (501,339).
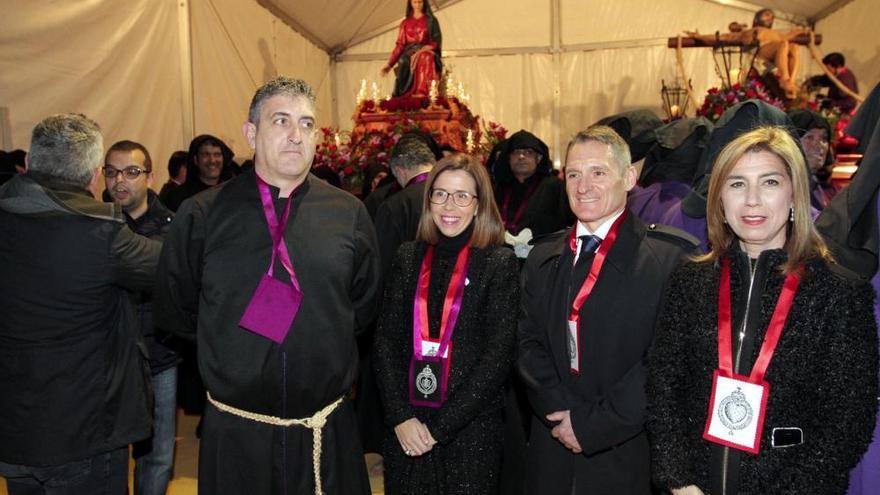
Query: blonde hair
(488,228)
(802,239)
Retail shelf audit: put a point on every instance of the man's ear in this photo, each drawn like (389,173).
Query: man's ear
(249,129)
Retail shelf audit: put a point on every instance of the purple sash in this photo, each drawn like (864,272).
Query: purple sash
(274,305)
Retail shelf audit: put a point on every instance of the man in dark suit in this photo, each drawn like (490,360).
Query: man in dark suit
(583,344)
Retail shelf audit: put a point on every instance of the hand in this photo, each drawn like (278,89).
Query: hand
(563,431)
(687,490)
(414,437)
(385,70)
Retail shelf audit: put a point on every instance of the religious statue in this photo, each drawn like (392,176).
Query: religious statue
(775,47)
(417,51)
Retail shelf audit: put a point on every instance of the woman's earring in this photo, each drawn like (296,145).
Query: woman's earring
(791,214)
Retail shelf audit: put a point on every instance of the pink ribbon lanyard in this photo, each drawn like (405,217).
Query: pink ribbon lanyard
(276,230)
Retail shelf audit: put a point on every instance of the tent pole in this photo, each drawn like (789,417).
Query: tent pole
(186,71)
(556,44)
(334,97)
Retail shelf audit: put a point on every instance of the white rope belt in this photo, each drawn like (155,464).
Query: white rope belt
(315,423)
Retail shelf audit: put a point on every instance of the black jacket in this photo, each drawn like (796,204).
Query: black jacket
(823,378)
(73,380)
(153,224)
(607,399)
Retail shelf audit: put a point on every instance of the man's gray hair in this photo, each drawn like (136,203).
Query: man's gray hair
(281,85)
(411,151)
(66,147)
(605,135)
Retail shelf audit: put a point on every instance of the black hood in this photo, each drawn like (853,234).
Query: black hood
(849,222)
(736,121)
(636,127)
(522,140)
(862,125)
(680,144)
(192,171)
(805,120)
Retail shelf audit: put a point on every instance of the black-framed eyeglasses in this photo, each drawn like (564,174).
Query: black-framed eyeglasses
(460,198)
(130,173)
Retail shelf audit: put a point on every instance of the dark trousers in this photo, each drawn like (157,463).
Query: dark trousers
(103,474)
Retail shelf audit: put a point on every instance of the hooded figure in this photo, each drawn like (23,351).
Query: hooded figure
(637,128)
(194,184)
(690,214)
(669,167)
(850,227)
(817,148)
(527,190)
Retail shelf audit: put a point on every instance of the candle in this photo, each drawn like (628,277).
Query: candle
(375,92)
(734,76)
(432,92)
(675,111)
(362,94)
(469,145)
(336,138)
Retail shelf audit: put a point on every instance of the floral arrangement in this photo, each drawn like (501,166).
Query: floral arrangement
(350,159)
(718,100)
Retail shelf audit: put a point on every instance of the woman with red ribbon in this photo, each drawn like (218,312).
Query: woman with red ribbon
(417,51)
(763,375)
(445,341)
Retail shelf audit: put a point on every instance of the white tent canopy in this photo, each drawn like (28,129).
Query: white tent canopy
(162,71)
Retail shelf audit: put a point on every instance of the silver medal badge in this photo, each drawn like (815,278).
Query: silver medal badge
(426,382)
(734,411)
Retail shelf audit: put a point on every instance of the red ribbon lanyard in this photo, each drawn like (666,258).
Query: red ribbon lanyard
(276,229)
(590,282)
(774,331)
(513,224)
(451,302)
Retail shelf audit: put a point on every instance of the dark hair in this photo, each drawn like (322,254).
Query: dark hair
(176,162)
(834,59)
(756,21)
(281,85)
(129,146)
(488,228)
(426,8)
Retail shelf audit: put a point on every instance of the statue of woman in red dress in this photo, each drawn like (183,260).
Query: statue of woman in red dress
(417,51)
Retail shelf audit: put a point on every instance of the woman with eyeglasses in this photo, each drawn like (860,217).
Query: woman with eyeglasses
(763,375)
(446,340)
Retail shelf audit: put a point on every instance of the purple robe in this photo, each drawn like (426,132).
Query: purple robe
(864,479)
(696,227)
(651,202)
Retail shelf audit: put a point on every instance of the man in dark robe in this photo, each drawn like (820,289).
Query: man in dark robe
(851,227)
(209,162)
(397,218)
(272,384)
(528,192)
(587,387)
(669,167)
